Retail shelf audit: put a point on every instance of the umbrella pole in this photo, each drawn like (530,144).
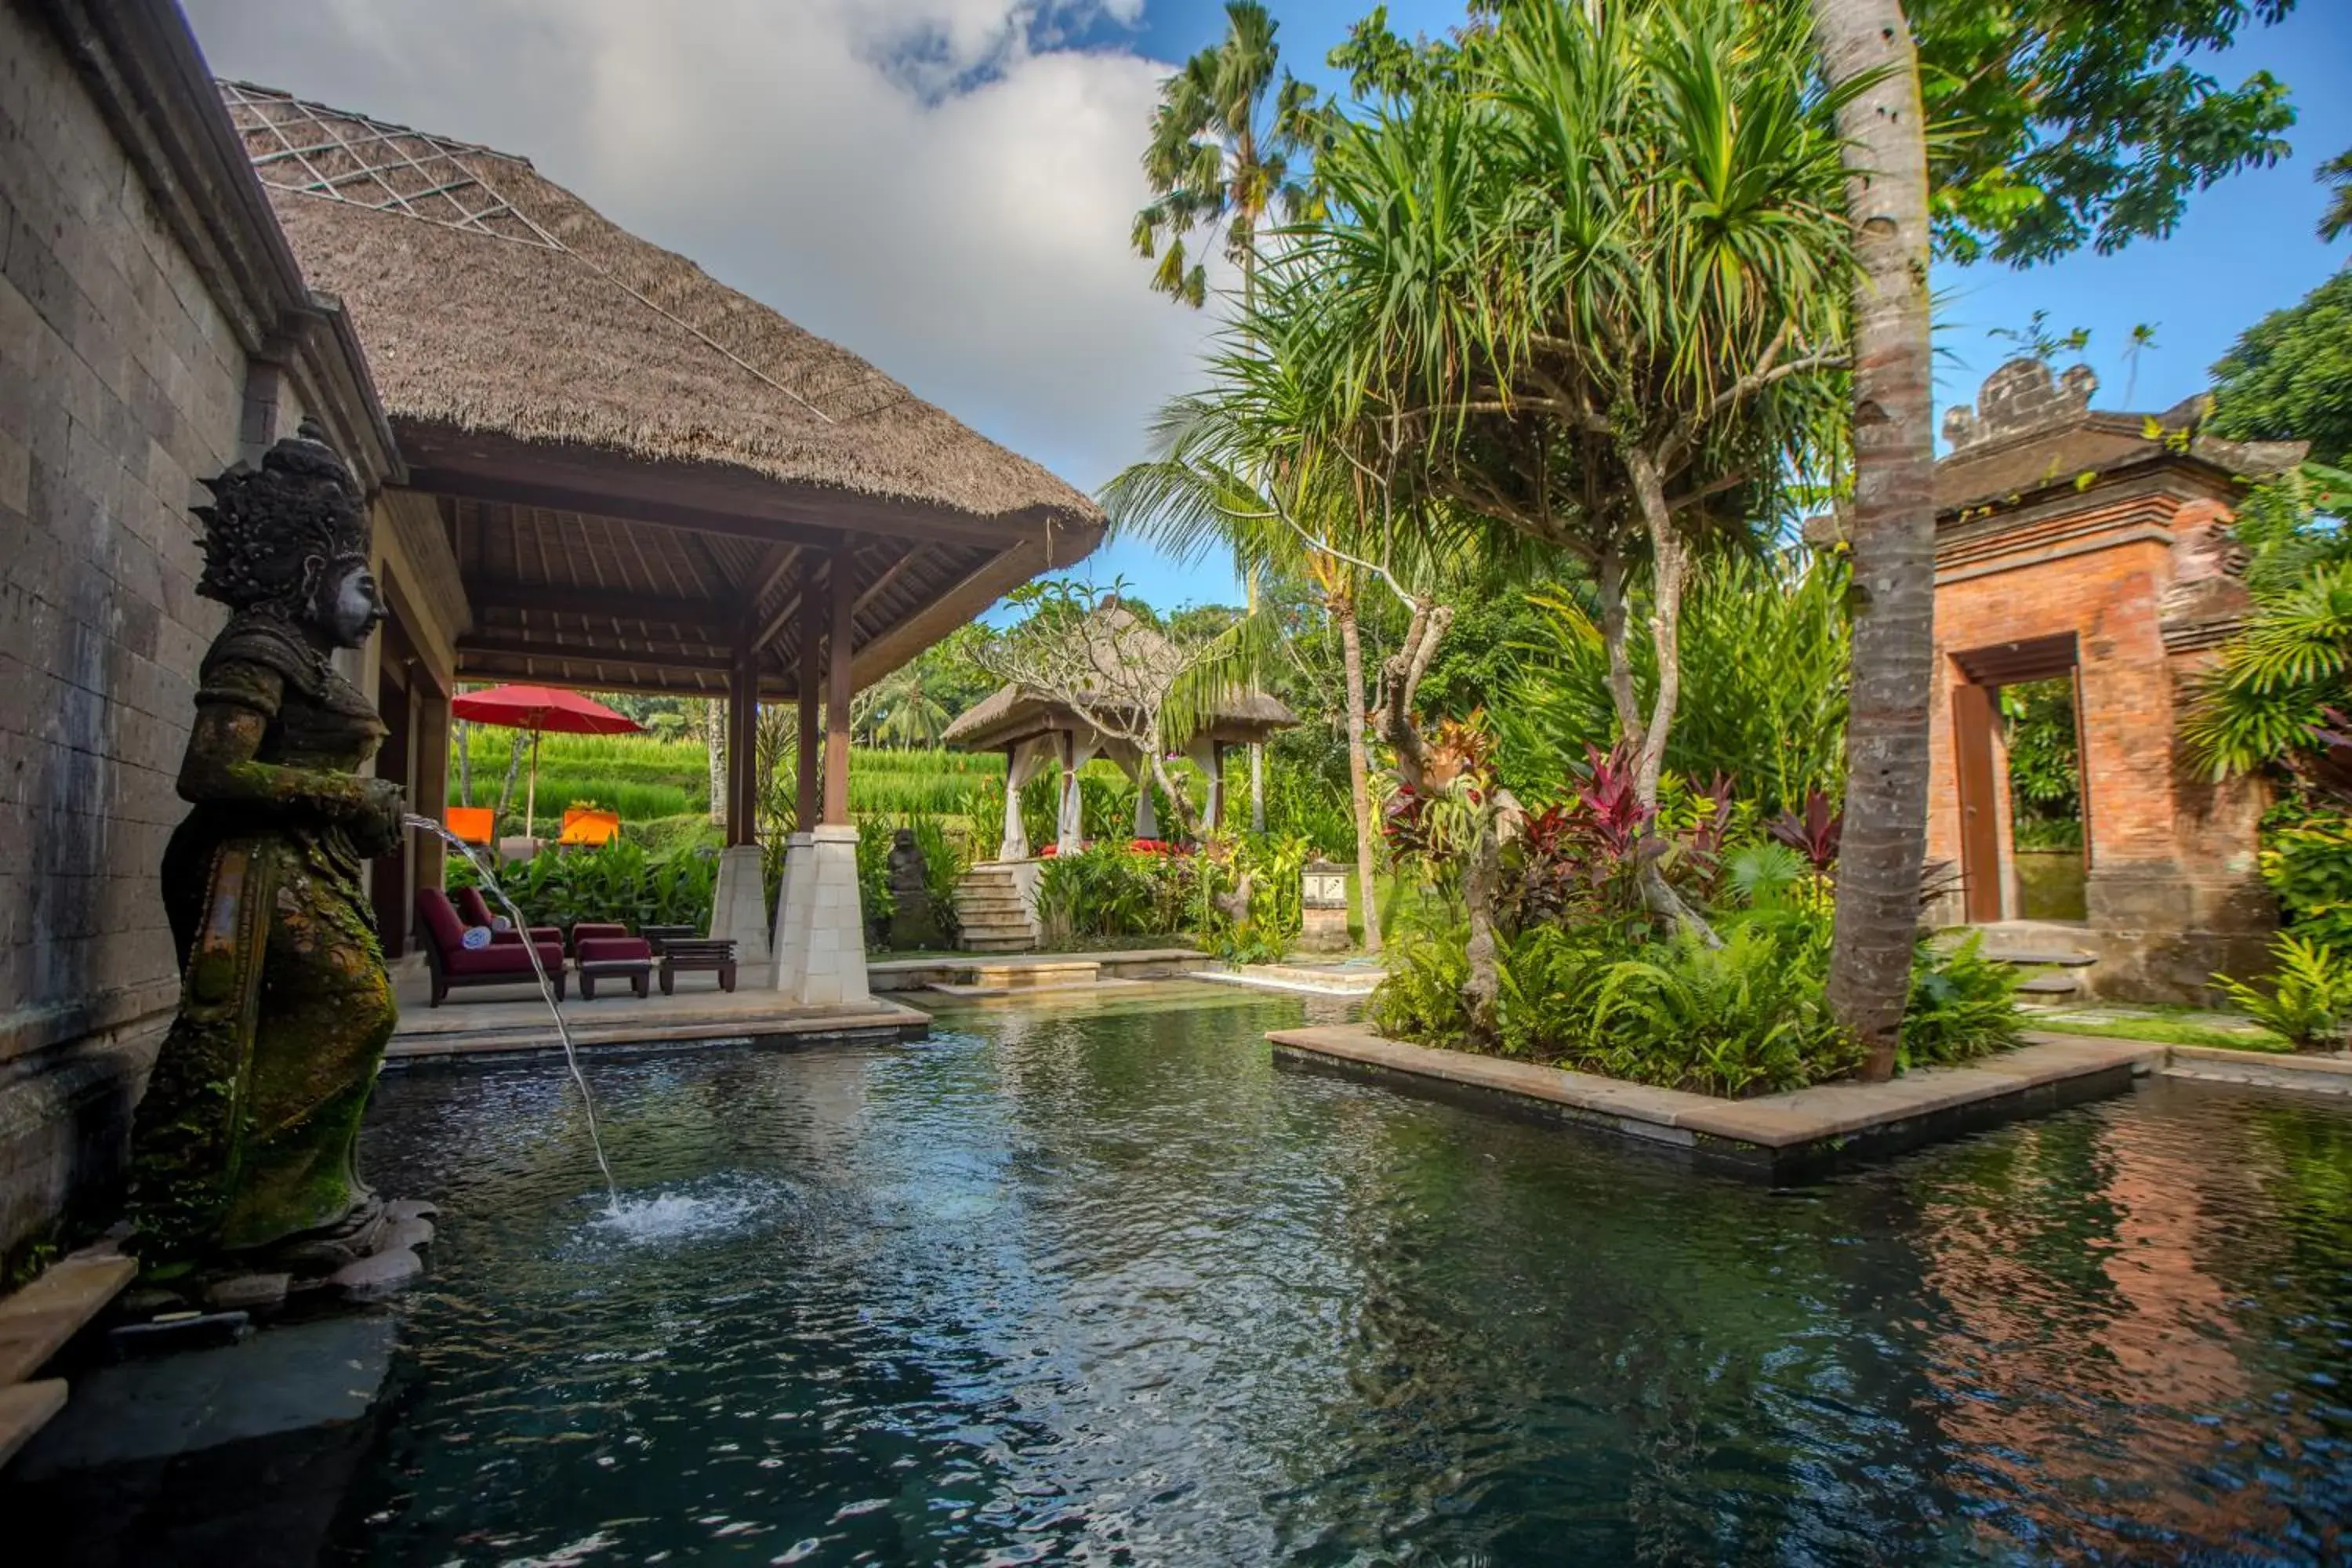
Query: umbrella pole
(530,796)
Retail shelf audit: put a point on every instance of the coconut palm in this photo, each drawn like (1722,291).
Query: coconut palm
(1220,159)
(1867,51)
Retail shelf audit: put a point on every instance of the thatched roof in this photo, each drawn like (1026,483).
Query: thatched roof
(1014,712)
(598,416)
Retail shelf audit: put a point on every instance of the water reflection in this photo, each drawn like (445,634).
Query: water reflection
(1114,1289)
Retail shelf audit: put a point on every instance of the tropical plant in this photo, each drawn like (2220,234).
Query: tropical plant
(946,857)
(614,882)
(2336,173)
(1764,658)
(1962,1005)
(1220,157)
(876,900)
(2308,999)
(2307,860)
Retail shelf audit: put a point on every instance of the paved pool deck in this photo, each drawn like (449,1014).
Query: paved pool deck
(501,1020)
(1777,1136)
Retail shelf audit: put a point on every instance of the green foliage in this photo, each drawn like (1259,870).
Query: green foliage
(2306,859)
(2289,376)
(876,901)
(1266,930)
(2057,123)
(947,856)
(1109,890)
(2308,1000)
(1963,1006)
(1420,994)
(1764,658)
(616,881)
(2045,798)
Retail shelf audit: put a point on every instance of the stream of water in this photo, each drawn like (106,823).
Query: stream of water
(546,990)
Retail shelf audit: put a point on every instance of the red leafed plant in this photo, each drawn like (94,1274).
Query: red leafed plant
(1815,834)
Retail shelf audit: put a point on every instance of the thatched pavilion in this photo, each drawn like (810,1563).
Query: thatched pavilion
(621,474)
(1036,729)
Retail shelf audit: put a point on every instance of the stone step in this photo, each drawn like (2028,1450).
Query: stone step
(25,1409)
(2051,985)
(1016,976)
(985,993)
(36,1321)
(2054,960)
(984,941)
(1005,901)
(985,879)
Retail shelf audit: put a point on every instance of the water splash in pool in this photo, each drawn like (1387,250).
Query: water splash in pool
(546,992)
(686,1215)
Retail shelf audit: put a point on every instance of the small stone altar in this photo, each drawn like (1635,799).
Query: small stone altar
(914,924)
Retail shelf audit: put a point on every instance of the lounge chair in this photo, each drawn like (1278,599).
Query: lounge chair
(475,910)
(453,964)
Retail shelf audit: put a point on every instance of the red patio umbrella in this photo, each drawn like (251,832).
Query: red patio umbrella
(541,709)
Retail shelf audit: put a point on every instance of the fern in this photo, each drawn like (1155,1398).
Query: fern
(2309,998)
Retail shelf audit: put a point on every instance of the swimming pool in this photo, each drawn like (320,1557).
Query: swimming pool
(1115,1287)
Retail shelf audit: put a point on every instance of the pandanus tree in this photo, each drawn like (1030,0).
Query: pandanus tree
(1590,281)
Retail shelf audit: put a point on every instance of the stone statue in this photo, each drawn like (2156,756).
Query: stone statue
(242,1151)
(913,923)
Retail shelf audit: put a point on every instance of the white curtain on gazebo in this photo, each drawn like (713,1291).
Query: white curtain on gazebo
(1076,753)
(1028,758)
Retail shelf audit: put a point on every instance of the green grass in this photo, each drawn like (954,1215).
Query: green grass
(644,778)
(2162,1031)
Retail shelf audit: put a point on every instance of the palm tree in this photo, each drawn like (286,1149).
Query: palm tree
(1867,53)
(2337,172)
(1219,160)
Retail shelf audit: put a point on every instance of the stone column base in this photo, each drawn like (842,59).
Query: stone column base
(820,942)
(738,908)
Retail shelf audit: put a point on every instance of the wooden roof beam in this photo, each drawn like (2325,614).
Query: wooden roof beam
(620,605)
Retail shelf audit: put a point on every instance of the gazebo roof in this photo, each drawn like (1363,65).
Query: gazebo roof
(1014,712)
(627,454)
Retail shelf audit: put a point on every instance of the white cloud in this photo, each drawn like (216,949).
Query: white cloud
(940,186)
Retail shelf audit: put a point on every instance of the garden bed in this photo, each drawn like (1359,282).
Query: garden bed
(1778,1137)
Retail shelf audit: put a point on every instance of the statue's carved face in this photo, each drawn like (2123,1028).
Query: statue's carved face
(349,606)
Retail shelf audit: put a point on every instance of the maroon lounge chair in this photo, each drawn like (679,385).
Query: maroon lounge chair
(454,963)
(475,910)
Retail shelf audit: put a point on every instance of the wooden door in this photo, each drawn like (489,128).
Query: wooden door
(1972,721)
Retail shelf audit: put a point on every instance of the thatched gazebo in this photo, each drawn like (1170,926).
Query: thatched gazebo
(624,475)
(1037,728)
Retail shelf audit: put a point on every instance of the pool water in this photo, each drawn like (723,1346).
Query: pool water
(1115,1287)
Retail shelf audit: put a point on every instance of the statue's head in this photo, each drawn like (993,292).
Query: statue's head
(291,537)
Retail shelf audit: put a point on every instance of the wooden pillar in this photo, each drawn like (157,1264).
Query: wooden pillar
(743,740)
(842,588)
(811,685)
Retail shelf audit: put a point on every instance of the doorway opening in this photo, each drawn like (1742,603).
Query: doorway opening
(2024,802)
(2045,799)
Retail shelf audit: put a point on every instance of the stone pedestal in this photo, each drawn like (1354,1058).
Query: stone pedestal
(738,908)
(820,942)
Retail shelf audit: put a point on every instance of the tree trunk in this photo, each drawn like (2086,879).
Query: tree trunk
(714,745)
(1481,886)
(1669,570)
(1359,779)
(465,763)
(1610,578)
(1893,531)
(514,769)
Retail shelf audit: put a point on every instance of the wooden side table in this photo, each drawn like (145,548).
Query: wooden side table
(708,954)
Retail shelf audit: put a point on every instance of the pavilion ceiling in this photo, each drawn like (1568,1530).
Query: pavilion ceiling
(575,599)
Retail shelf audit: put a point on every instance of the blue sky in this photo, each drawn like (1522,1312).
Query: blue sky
(2246,246)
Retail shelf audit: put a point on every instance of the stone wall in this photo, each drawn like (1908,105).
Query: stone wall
(122,381)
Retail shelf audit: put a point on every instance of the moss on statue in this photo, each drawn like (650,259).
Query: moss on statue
(244,1141)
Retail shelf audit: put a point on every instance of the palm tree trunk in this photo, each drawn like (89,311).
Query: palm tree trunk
(1610,578)
(714,745)
(1360,771)
(1892,530)
(465,763)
